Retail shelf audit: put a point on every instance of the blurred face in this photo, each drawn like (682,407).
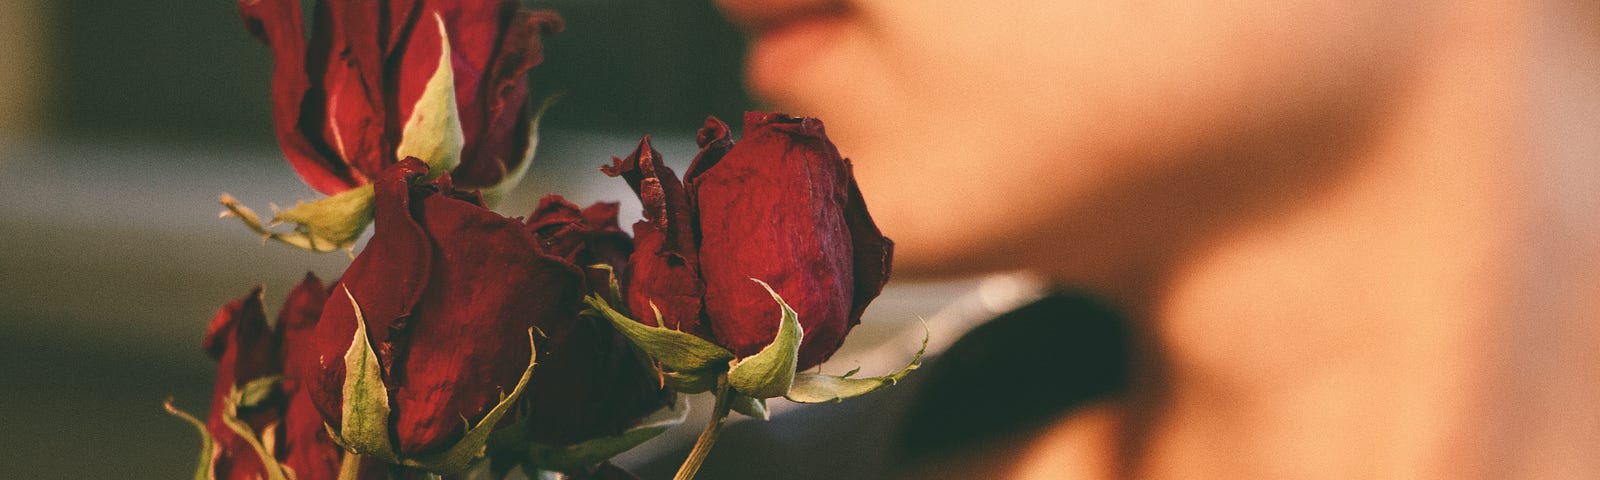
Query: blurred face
(1016,133)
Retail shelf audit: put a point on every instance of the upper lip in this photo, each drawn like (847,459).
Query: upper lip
(760,16)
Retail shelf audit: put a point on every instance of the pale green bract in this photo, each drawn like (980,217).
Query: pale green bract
(681,352)
(769,372)
(819,388)
(433,133)
(365,426)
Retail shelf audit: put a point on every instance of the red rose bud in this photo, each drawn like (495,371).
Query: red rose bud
(447,292)
(262,424)
(343,101)
(379,81)
(306,447)
(666,254)
(242,344)
(780,206)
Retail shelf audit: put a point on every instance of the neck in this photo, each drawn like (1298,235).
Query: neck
(1431,314)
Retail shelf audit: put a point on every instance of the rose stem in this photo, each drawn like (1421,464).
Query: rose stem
(702,446)
(350,467)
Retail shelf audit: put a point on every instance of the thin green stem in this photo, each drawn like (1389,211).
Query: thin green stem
(350,467)
(708,437)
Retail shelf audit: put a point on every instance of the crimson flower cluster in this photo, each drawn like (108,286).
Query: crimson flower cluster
(461,341)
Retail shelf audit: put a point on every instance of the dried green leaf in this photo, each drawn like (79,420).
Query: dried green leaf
(433,133)
(690,382)
(322,225)
(365,426)
(208,446)
(750,407)
(819,388)
(678,351)
(769,372)
(230,417)
(255,392)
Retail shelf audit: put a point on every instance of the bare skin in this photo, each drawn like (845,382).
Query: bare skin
(1361,240)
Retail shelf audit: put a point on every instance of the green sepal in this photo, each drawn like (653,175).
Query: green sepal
(259,390)
(322,225)
(492,195)
(690,382)
(433,133)
(769,372)
(750,407)
(365,394)
(364,428)
(208,445)
(466,452)
(678,351)
(582,456)
(230,417)
(819,388)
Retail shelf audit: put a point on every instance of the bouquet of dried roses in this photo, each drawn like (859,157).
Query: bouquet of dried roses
(460,342)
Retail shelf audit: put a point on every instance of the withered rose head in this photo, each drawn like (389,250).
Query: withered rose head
(604,388)
(448,290)
(780,206)
(242,344)
(343,99)
(280,418)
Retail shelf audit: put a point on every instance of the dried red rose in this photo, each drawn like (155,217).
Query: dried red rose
(261,420)
(242,344)
(780,206)
(448,291)
(342,100)
(605,388)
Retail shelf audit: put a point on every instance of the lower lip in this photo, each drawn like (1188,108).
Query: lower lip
(781,53)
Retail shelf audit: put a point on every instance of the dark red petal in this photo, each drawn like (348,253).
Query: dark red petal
(297,324)
(664,266)
(553,211)
(714,141)
(773,209)
(245,350)
(353,84)
(387,278)
(495,110)
(665,281)
(558,224)
(874,253)
(304,443)
(606,244)
(278,24)
(602,216)
(488,284)
(306,446)
(591,384)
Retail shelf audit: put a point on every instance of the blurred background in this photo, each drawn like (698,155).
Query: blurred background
(121,122)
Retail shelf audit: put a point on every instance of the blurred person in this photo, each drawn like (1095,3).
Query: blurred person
(1351,239)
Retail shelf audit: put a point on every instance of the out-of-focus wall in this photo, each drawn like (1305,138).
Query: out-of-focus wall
(162,71)
(24,65)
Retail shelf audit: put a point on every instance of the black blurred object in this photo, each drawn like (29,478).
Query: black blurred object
(1003,380)
(1015,374)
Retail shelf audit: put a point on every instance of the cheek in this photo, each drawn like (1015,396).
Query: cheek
(971,127)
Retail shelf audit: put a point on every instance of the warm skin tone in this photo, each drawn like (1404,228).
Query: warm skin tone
(1360,238)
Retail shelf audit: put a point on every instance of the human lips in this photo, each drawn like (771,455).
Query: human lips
(786,36)
(762,18)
